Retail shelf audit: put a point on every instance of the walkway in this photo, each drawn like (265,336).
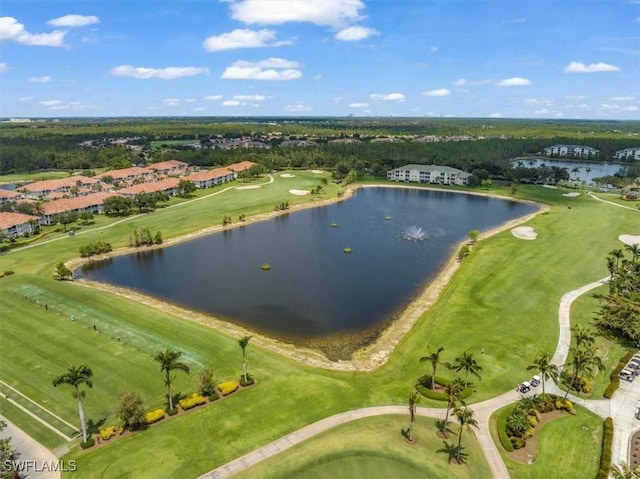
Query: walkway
(36,459)
(620,408)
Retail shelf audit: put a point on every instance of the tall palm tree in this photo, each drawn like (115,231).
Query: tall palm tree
(583,335)
(434,358)
(634,249)
(413,401)
(466,419)
(583,361)
(546,368)
(168,360)
(588,170)
(452,391)
(243,343)
(76,377)
(617,254)
(467,363)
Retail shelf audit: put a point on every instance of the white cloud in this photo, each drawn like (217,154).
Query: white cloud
(622,98)
(25,98)
(438,92)
(464,81)
(538,101)
(213,97)
(358,105)
(460,82)
(42,79)
(231,103)
(13,31)
(276,69)
(434,49)
(399,97)
(168,73)
(630,108)
(172,101)
(74,21)
(579,67)
(249,97)
(495,115)
(242,38)
(514,81)
(356,33)
(334,13)
(3,67)
(297,108)
(60,105)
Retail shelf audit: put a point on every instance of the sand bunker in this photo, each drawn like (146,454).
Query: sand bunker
(550,186)
(248,187)
(524,232)
(299,192)
(317,172)
(287,175)
(571,195)
(629,239)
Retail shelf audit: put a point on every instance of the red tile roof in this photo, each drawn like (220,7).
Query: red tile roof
(134,171)
(71,204)
(151,187)
(209,174)
(168,165)
(242,166)
(8,194)
(61,183)
(7,220)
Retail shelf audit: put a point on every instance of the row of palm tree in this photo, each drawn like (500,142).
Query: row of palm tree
(465,362)
(169,360)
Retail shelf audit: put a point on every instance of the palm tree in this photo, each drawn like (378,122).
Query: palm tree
(546,368)
(434,358)
(452,391)
(583,361)
(588,170)
(583,335)
(244,342)
(623,471)
(466,419)
(634,249)
(617,254)
(468,364)
(168,360)
(76,377)
(413,401)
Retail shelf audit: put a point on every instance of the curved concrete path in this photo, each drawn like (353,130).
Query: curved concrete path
(621,408)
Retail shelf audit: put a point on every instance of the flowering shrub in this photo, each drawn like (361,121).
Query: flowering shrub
(107,433)
(192,401)
(154,416)
(228,387)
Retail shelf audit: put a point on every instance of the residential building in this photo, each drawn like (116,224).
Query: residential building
(93,203)
(166,186)
(170,167)
(444,175)
(571,151)
(627,154)
(128,175)
(69,185)
(14,224)
(208,178)
(9,195)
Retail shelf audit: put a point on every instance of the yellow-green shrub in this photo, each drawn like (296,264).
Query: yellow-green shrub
(107,433)
(228,387)
(192,401)
(154,416)
(532,420)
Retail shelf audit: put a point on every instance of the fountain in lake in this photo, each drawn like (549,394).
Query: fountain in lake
(414,233)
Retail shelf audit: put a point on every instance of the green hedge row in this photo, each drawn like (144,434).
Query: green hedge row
(615,379)
(502,429)
(605,455)
(438,396)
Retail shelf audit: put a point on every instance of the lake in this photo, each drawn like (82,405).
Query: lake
(596,170)
(314,289)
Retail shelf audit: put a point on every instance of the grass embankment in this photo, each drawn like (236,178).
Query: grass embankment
(568,447)
(374,448)
(504,299)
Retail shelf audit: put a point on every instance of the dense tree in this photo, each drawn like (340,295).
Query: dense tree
(169,361)
(62,272)
(185,188)
(65,219)
(77,377)
(117,206)
(206,384)
(131,411)
(8,454)
(86,217)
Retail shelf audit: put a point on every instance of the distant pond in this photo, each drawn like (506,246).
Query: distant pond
(400,239)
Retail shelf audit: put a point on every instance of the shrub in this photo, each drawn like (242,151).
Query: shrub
(228,387)
(154,416)
(90,442)
(615,379)
(131,411)
(8,272)
(192,401)
(605,455)
(172,412)
(107,433)
(532,420)
(518,442)
(248,382)
(502,429)
(206,385)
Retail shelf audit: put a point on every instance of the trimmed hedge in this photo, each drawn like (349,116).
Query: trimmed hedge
(615,379)
(154,416)
(192,401)
(502,429)
(228,387)
(424,383)
(90,442)
(605,455)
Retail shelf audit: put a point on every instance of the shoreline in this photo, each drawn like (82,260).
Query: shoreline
(367,358)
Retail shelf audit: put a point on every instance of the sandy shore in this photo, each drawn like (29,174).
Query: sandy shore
(366,359)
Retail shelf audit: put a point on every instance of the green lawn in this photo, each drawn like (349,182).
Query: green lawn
(568,447)
(29,425)
(35,176)
(373,448)
(504,298)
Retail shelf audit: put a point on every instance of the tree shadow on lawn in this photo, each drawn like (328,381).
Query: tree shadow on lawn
(455,453)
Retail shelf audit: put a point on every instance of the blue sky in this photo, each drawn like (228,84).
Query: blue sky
(481,58)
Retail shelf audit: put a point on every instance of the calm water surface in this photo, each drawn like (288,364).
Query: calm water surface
(314,289)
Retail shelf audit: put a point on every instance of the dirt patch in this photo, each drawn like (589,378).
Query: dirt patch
(529,453)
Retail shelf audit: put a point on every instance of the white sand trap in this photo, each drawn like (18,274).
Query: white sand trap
(317,172)
(571,195)
(299,192)
(524,232)
(629,239)
(248,187)
(287,175)
(550,186)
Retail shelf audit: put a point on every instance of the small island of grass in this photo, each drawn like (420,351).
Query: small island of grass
(265,266)
(347,250)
